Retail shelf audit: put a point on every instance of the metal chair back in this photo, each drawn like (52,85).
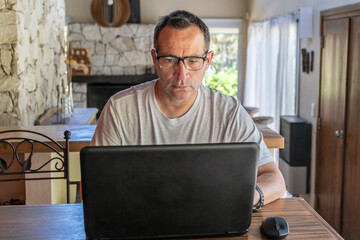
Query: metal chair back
(16,142)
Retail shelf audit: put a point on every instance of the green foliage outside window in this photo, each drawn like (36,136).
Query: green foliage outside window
(222,74)
(223,81)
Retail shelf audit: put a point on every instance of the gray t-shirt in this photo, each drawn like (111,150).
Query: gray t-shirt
(132,117)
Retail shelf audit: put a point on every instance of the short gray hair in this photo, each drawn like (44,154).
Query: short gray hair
(181,19)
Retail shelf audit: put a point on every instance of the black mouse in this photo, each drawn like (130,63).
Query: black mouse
(275,227)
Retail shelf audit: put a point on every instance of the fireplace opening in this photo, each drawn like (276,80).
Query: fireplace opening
(100,88)
(99,94)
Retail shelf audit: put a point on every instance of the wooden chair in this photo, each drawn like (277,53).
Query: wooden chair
(13,143)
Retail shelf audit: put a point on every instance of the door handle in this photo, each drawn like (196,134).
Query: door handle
(339,133)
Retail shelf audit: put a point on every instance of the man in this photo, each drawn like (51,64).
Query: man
(177,108)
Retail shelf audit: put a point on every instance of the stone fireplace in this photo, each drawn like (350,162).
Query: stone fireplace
(32,60)
(120,58)
(32,67)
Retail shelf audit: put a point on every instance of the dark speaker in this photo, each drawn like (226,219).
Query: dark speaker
(297,135)
(297,150)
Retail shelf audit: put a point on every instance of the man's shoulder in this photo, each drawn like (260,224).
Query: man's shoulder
(219,97)
(134,91)
(224,105)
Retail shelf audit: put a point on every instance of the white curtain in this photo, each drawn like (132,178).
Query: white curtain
(270,82)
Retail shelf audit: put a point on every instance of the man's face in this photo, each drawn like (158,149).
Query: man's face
(180,83)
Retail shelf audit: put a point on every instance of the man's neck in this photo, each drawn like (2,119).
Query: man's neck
(172,108)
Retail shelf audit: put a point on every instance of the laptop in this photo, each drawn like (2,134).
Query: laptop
(168,191)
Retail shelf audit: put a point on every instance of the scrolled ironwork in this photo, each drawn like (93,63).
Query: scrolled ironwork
(26,164)
(3,165)
(14,145)
(56,164)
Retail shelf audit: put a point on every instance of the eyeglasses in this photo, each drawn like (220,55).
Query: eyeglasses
(191,63)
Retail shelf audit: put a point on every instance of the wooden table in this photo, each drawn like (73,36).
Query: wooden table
(81,135)
(271,138)
(81,116)
(65,221)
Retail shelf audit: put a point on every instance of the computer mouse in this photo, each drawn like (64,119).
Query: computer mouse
(275,227)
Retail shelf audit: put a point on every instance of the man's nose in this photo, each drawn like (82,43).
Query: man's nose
(181,70)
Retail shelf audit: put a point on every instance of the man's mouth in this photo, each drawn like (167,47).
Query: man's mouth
(179,86)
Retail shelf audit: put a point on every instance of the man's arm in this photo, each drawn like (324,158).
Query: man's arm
(271,182)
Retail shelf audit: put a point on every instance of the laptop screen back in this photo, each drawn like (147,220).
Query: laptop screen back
(168,191)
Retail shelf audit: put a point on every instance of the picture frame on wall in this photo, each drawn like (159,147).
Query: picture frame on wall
(135,11)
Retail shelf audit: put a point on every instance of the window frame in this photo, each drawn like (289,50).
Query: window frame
(233,26)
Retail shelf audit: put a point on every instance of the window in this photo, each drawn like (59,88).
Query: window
(271,69)
(223,74)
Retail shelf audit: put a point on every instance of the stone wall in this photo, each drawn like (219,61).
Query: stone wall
(79,91)
(114,51)
(32,66)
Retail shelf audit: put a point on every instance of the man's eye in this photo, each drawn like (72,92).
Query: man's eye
(169,60)
(193,60)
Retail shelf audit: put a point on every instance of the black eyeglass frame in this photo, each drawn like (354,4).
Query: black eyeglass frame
(183,60)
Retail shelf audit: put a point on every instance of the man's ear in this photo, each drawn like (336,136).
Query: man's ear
(209,57)
(153,56)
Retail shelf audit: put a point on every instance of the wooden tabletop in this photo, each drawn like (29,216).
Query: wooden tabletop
(81,116)
(81,135)
(304,222)
(271,138)
(65,221)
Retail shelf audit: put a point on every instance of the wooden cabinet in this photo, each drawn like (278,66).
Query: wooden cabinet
(338,134)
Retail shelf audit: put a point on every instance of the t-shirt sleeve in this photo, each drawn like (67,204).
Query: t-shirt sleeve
(250,133)
(106,132)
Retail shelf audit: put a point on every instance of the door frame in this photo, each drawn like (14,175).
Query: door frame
(332,14)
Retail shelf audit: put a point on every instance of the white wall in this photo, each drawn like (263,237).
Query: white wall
(151,10)
(309,83)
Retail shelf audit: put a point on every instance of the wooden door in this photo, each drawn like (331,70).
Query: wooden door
(330,141)
(351,209)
